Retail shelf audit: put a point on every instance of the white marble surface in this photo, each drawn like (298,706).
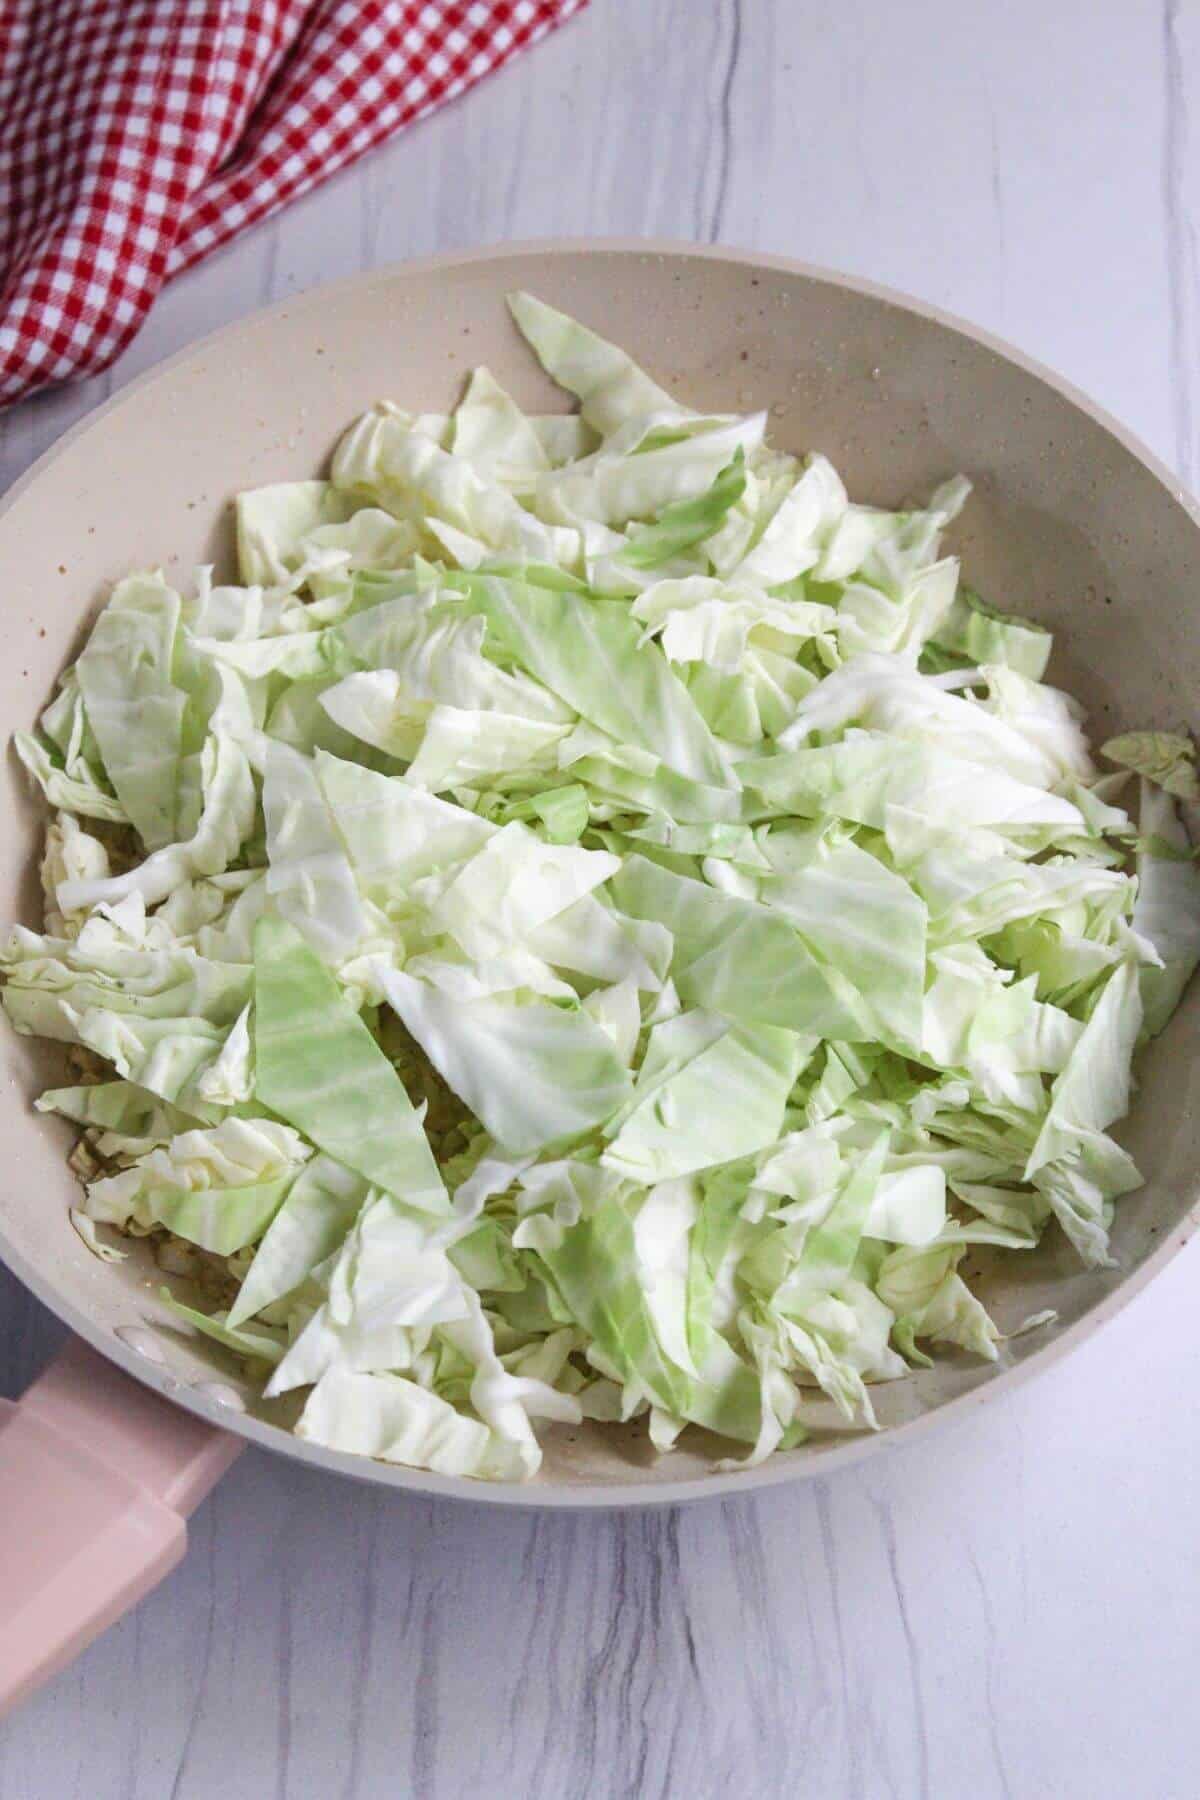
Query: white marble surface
(1009,1611)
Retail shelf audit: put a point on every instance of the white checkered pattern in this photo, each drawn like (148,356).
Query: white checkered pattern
(137,136)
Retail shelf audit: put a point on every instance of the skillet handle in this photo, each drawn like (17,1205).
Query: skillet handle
(97,1477)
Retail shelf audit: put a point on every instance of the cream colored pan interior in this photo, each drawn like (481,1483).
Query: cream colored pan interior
(1071,522)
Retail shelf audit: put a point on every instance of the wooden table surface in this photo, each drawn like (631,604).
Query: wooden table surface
(1007,1611)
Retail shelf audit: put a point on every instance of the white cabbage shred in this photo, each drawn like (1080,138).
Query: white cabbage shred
(592,923)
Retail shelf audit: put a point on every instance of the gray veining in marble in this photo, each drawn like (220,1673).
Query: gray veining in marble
(1007,1612)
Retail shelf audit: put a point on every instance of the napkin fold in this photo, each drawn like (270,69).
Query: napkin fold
(138,136)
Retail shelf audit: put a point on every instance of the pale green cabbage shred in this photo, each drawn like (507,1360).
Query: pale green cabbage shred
(776,943)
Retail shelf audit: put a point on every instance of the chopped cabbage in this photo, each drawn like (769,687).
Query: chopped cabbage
(592,923)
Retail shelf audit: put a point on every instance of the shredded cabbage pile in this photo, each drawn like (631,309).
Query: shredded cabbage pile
(592,924)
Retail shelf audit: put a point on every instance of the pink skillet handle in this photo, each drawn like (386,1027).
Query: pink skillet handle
(97,1477)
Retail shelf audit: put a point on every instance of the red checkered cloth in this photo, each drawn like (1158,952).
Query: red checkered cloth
(136,136)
